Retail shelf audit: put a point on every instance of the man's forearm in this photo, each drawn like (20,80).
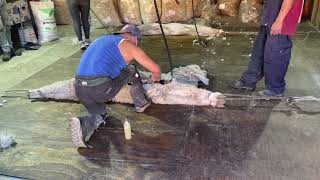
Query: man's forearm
(285,8)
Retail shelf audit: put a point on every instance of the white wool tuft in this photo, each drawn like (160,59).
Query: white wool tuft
(6,140)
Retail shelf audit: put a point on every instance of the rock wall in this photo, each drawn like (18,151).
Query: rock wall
(148,11)
(118,12)
(130,11)
(105,13)
(170,11)
(173,12)
(210,12)
(229,7)
(61,12)
(249,11)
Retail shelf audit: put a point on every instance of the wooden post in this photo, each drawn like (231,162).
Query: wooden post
(307,9)
(317,23)
(315,11)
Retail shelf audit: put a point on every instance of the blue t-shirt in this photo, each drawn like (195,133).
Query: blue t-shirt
(102,58)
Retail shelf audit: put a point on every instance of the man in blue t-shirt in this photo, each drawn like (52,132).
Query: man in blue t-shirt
(103,70)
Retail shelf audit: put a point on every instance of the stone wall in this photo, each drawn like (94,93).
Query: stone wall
(118,12)
(61,12)
(105,13)
(130,11)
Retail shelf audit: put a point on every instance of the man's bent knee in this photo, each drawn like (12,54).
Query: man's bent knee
(134,76)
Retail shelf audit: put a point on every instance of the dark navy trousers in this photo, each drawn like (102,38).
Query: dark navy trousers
(270,59)
(79,12)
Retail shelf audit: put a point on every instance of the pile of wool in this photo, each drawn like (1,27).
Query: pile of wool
(6,141)
(191,74)
(179,29)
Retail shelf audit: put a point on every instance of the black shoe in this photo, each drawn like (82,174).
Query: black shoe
(15,53)
(99,119)
(240,85)
(6,56)
(105,117)
(87,42)
(141,109)
(83,46)
(268,93)
(31,46)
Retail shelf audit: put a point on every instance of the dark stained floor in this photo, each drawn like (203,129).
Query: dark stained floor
(193,146)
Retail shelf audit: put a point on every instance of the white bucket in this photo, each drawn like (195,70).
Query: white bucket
(26,34)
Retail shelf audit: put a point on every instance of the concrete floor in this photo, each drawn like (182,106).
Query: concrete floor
(244,140)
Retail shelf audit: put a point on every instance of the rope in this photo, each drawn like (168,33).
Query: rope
(195,25)
(16,90)
(304,40)
(16,93)
(99,19)
(290,99)
(164,37)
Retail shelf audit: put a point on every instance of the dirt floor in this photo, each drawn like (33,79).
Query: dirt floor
(245,140)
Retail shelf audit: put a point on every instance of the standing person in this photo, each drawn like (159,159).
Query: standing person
(5,34)
(271,52)
(79,11)
(103,70)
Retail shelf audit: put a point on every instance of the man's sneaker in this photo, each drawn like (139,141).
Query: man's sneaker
(240,85)
(141,109)
(87,42)
(99,119)
(83,45)
(6,56)
(15,52)
(82,128)
(77,134)
(268,93)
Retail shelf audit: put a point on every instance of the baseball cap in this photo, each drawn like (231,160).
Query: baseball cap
(132,29)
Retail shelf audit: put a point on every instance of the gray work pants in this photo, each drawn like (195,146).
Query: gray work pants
(79,11)
(5,32)
(95,97)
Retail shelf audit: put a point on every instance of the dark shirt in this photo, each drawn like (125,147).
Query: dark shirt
(271,9)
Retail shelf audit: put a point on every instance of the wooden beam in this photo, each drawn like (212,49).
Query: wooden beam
(307,9)
(317,23)
(315,11)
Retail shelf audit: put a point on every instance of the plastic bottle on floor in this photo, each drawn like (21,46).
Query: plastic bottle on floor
(127,130)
